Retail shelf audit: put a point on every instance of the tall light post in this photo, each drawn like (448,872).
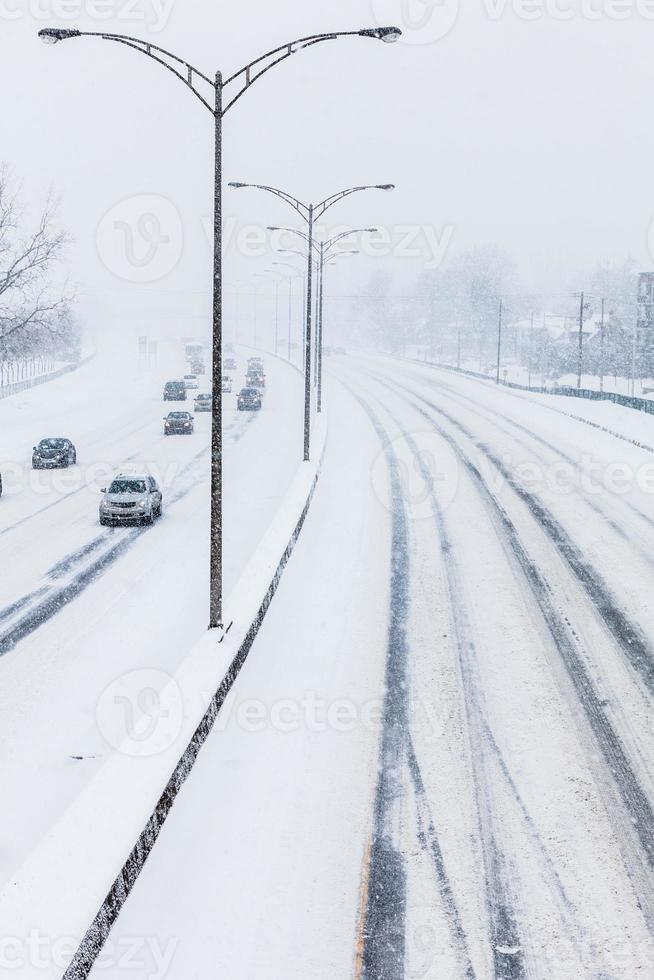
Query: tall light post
(290,280)
(310,213)
(323,264)
(266,275)
(218,95)
(324,249)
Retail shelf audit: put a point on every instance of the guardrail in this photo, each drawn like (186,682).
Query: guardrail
(590,394)
(17,386)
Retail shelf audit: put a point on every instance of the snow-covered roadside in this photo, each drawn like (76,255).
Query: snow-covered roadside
(52,893)
(617,420)
(17,387)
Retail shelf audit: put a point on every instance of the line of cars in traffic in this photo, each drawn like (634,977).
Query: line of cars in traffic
(137,498)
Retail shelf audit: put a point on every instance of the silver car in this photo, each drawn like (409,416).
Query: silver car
(131,500)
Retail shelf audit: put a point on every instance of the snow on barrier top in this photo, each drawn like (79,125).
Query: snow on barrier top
(72,887)
(590,394)
(16,387)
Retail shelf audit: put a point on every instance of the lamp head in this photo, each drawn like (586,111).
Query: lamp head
(237,183)
(51,35)
(385,187)
(387,34)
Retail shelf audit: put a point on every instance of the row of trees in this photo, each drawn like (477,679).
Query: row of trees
(37,325)
(452,315)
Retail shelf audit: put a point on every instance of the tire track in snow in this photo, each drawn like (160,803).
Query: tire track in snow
(628,635)
(380,957)
(639,822)
(490,415)
(45,602)
(384,934)
(504,934)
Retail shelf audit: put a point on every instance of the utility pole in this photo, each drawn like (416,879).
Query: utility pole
(633,362)
(580,356)
(499,345)
(602,348)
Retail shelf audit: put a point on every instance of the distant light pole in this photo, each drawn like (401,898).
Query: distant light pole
(324,250)
(601,380)
(265,275)
(310,213)
(290,280)
(217,99)
(323,264)
(499,343)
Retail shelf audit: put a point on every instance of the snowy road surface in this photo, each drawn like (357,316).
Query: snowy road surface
(437,761)
(82,605)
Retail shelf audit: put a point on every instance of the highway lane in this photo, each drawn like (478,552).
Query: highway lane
(472,566)
(83,605)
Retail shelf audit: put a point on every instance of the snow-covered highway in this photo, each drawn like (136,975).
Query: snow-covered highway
(437,760)
(81,605)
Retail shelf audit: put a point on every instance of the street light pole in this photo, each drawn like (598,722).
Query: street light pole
(241,80)
(216,530)
(323,249)
(309,213)
(307,346)
(320,310)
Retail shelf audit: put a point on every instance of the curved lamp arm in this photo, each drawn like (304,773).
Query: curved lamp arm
(248,74)
(53,34)
(329,244)
(294,231)
(255,69)
(302,209)
(303,255)
(329,201)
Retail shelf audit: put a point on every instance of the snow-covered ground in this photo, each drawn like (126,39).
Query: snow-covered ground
(132,599)
(437,759)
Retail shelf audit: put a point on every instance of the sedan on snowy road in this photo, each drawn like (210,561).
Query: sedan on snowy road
(178,424)
(131,500)
(249,400)
(53,453)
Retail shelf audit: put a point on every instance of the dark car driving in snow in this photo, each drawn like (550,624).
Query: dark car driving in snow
(178,424)
(131,500)
(249,400)
(174,391)
(53,453)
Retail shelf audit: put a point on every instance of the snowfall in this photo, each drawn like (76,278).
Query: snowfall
(437,758)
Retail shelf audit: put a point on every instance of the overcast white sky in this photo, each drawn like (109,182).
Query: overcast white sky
(523,124)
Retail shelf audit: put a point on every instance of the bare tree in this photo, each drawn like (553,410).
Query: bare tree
(28,297)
